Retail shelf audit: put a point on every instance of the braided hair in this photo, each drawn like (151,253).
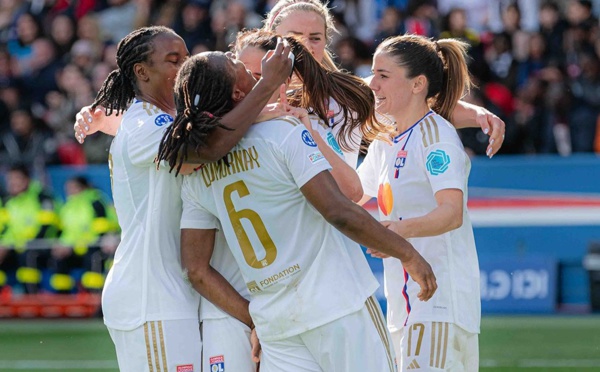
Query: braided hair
(120,87)
(203,93)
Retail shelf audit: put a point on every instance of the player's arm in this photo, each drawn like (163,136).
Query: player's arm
(197,246)
(356,223)
(276,69)
(89,122)
(467,115)
(446,217)
(345,177)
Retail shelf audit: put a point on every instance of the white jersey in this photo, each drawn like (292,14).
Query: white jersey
(426,158)
(351,156)
(222,259)
(145,282)
(300,271)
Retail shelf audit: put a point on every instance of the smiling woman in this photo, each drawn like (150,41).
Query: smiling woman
(420,181)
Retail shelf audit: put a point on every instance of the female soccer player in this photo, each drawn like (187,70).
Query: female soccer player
(311,289)
(150,310)
(313,23)
(420,182)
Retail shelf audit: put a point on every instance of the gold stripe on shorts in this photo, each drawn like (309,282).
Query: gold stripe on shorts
(155,346)
(439,344)
(162,346)
(381,329)
(148,351)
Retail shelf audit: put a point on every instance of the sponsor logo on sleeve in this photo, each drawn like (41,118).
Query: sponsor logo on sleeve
(437,162)
(163,119)
(307,139)
(185,368)
(217,363)
(315,157)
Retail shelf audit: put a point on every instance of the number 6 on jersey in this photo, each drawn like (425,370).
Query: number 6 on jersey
(236,216)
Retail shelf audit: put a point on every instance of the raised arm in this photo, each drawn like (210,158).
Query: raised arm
(88,122)
(345,177)
(197,246)
(276,67)
(467,115)
(356,223)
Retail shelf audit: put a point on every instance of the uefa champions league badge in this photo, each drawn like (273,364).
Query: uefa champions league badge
(217,363)
(307,139)
(163,119)
(400,162)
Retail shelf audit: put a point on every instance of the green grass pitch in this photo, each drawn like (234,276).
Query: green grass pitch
(511,343)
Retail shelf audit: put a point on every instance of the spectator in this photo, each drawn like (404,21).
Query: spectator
(62,34)
(117,20)
(552,28)
(194,25)
(85,218)
(21,47)
(354,56)
(27,143)
(585,89)
(31,215)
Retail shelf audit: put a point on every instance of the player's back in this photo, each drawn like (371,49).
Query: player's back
(301,271)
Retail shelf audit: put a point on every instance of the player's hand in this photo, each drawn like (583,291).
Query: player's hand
(255,344)
(422,273)
(276,64)
(494,127)
(88,122)
(375,253)
(416,266)
(275,110)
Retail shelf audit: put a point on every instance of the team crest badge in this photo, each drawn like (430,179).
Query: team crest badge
(400,162)
(217,363)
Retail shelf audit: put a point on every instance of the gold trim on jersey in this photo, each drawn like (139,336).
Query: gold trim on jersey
(318,120)
(376,317)
(290,120)
(150,109)
(438,352)
(430,133)
(155,346)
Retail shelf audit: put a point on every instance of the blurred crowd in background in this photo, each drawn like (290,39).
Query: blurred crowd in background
(536,65)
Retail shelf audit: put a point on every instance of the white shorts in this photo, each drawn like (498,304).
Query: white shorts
(436,346)
(226,344)
(358,342)
(167,345)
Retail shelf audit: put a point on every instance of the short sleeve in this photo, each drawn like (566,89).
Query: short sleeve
(368,171)
(302,156)
(194,215)
(145,136)
(445,166)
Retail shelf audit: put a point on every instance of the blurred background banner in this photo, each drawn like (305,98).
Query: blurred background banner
(534,220)
(518,285)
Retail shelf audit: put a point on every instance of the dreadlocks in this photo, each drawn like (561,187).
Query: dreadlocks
(202,95)
(119,87)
